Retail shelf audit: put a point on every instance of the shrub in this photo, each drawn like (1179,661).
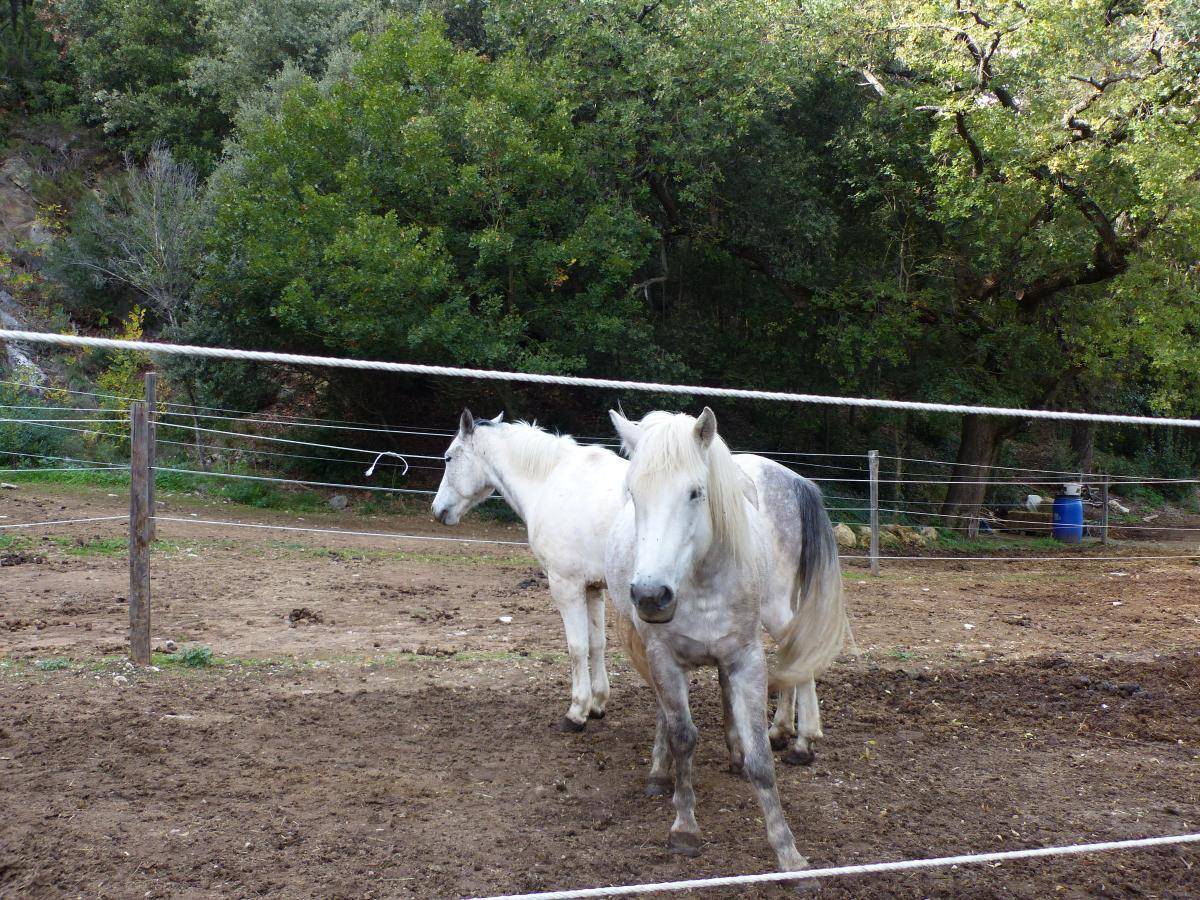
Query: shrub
(142,235)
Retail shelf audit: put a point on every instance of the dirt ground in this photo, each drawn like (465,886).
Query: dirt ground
(374,730)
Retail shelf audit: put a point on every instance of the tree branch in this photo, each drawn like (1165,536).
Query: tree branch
(759,262)
(960,125)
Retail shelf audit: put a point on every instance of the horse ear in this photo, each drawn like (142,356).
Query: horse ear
(498,419)
(466,422)
(706,427)
(629,432)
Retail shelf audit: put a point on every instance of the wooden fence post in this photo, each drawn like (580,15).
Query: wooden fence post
(152,414)
(873,470)
(139,534)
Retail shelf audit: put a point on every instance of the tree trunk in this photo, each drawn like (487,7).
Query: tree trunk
(1083,445)
(201,457)
(978,450)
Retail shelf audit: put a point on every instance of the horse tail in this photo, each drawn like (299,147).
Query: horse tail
(819,627)
(632,642)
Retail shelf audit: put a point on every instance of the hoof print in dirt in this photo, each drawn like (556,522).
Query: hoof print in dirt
(304,616)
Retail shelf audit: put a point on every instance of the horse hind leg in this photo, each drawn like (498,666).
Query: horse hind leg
(596,647)
(808,726)
(733,740)
(783,725)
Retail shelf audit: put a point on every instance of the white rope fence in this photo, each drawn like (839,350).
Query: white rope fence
(906,865)
(337,362)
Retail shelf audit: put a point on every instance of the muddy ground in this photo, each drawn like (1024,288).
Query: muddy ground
(394,738)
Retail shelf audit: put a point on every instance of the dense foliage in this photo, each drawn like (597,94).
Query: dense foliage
(971,200)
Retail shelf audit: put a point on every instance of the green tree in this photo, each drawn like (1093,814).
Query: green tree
(1039,160)
(435,204)
(132,62)
(249,43)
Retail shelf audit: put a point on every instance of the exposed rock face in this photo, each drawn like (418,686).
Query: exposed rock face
(17,358)
(18,209)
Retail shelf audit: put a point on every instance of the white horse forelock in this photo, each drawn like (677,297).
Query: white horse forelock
(668,445)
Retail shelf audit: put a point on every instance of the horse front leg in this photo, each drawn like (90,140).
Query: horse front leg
(659,782)
(596,647)
(671,685)
(571,600)
(748,689)
(808,726)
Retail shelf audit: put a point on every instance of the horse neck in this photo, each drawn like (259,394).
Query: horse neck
(512,480)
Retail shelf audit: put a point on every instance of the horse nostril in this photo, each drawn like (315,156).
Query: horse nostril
(654,596)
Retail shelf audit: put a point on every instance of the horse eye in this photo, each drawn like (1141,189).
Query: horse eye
(696,494)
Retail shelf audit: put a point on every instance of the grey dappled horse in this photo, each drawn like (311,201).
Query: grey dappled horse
(690,563)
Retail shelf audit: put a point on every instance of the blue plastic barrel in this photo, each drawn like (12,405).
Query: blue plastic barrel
(1068,519)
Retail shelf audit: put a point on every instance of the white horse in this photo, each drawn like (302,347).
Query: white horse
(569,496)
(689,564)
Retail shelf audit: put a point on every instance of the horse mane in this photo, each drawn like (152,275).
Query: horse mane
(668,444)
(532,450)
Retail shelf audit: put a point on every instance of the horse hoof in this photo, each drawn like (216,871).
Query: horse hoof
(595,714)
(570,726)
(735,768)
(656,787)
(779,740)
(685,843)
(796,757)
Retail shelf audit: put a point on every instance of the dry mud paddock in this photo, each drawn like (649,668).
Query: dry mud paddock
(393,738)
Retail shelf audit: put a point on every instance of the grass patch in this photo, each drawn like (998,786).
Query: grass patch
(52,664)
(193,658)
(243,492)
(92,546)
(984,545)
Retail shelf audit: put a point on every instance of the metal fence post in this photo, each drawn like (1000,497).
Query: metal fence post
(1104,511)
(873,470)
(139,534)
(152,413)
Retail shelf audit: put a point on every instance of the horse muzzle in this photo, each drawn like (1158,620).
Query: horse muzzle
(445,515)
(655,603)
